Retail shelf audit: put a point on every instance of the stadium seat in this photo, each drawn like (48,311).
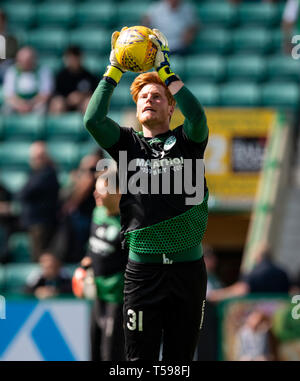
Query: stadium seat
(240,94)
(257,13)
(252,39)
(48,40)
(87,148)
(116,116)
(95,13)
(277,42)
(207,67)
(25,127)
(218,13)
(178,66)
(19,247)
(57,13)
(16,275)
(14,155)
(13,180)
(94,40)
(20,14)
(2,278)
(67,126)
(64,154)
(207,93)
(96,64)
(63,178)
(1,127)
(280,94)
(131,13)
(283,67)
(53,62)
(212,40)
(1,100)
(122,97)
(246,67)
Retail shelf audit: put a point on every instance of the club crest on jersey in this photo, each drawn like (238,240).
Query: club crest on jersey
(169,143)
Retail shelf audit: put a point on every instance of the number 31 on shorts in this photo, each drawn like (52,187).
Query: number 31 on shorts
(135,320)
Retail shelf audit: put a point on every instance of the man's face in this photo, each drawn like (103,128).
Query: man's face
(152,106)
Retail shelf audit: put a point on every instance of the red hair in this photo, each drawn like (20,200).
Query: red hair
(145,79)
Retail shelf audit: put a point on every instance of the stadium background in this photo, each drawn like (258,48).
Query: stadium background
(250,90)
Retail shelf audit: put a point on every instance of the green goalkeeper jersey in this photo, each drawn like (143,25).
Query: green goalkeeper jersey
(156,223)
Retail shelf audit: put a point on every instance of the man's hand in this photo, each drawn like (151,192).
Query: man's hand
(162,62)
(114,70)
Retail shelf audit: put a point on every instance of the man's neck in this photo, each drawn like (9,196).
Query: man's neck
(152,132)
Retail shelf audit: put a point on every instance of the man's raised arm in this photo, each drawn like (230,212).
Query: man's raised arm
(195,124)
(103,129)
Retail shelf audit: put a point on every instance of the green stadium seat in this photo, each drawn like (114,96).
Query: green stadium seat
(1,99)
(179,66)
(25,127)
(2,278)
(218,13)
(59,14)
(48,40)
(101,14)
(96,64)
(20,13)
(257,13)
(19,248)
(14,155)
(207,93)
(240,94)
(1,127)
(13,180)
(64,155)
(67,126)
(116,116)
(94,40)
(283,67)
(53,62)
(252,39)
(246,67)
(121,97)
(212,40)
(280,94)
(16,276)
(277,41)
(87,148)
(64,178)
(207,67)
(131,13)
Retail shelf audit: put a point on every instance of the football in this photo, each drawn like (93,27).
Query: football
(134,50)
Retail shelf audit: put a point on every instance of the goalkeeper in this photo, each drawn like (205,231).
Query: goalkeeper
(165,278)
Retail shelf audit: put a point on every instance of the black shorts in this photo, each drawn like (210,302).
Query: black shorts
(163,302)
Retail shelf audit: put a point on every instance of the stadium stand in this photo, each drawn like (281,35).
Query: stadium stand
(236,60)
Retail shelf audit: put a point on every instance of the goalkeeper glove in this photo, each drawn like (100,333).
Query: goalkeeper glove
(162,62)
(114,71)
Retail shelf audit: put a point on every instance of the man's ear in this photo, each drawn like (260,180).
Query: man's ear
(171,110)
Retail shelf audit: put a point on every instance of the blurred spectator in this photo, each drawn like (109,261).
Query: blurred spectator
(108,262)
(51,280)
(211,262)
(73,83)
(265,277)
(177,20)
(27,86)
(11,46)
(71,239)
(255,341)
(39,199)
(290,23)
